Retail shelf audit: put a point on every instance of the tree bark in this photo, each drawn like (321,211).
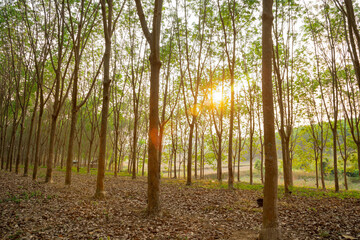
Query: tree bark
(155,65)
(27,154)
(107,15)
(38,136)
(270,228)
(189,155)
(196,147)
(20,142)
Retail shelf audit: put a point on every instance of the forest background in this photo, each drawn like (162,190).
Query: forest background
(51,90)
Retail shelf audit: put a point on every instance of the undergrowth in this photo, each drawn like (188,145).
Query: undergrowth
(296,191)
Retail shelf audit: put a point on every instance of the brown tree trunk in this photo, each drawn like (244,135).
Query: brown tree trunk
(262,163)
(20,142)
(48,178)
(155,65)
(336,179)
(322,170)
(202,156)
(345,177)
(134,146)
(286,165)
(143,164)
(11,146)
(270,228)
(153,156)
(196,141)
(175,164)
(316,171)
(174,147)
(107,14)
(353,30)
(239,153)
(79,146)
(189,155)
(70,152)
(3,146)
(89,156)
(116,151)
(38,136)
(251,158)
(231,130)
(57,95)
(219,161)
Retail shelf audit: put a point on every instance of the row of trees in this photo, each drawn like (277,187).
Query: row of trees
(74,86)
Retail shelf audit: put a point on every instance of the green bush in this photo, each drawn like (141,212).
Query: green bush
(257,165)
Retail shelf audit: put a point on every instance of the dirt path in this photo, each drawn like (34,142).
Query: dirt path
(33,210)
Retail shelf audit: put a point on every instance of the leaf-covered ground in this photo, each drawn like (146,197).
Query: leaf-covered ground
(34,210)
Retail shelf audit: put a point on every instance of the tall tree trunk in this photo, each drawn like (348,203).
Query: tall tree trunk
(231,130)
(70,152)
(28,144)
(239,155)
(336,179)
(20,143)
(3,146)
(270,228)
(11,146)
(322,170)
(153,39)
(79,148)
(202,156)
(286,164)
(38,136)
(116,151)
(143,164)
(219,161)
(316,170)
(196,141)
(261,163)
(161,133)
(173,146)
(153,156)
(251,158)
(289,160)
(107,14)
(134,147)
(345,177)
(48,178)
(189,156)
(89,156)
(174,150)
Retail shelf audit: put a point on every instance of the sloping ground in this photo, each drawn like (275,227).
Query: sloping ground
(34,210)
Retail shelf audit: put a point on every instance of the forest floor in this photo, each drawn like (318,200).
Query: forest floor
(205,210)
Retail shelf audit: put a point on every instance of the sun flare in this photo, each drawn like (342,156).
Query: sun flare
(217,97)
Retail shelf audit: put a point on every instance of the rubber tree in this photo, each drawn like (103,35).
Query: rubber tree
(192,64)
(60,92)
(326,36)
(153,38)
(270,227)
(284,60)
(107,8)
(80,31)
(353,41)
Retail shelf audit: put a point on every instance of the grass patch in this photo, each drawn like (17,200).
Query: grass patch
(21,197)
(296,191)
(317,193)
